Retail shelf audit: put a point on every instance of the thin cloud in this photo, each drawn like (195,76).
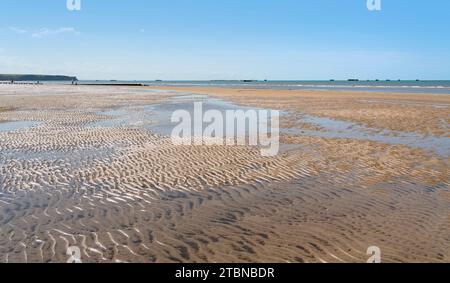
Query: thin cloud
(44,32)
(17,30)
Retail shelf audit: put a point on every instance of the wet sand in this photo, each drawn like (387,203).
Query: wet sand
(93,170)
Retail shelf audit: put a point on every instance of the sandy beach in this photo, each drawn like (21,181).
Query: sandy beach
(93,167)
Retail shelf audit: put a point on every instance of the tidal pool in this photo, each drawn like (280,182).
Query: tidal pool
(17,125)
(348,130)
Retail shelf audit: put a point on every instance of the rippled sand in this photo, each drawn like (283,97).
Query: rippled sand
(123,193)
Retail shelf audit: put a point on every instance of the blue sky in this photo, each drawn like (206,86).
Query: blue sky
(227,39)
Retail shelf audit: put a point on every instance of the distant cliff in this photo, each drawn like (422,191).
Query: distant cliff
(36,78)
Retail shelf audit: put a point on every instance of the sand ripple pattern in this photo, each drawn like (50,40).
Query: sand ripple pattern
(124,194)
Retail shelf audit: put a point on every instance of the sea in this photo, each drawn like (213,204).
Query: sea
(398,86)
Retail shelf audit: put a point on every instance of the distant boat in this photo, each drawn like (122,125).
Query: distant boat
(249,81)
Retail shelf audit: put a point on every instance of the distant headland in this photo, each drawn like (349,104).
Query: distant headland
(27,77)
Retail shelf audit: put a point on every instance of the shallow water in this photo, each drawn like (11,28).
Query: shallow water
(157,118)
(71,155)
(17,125)
(348,130)
(124,117)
